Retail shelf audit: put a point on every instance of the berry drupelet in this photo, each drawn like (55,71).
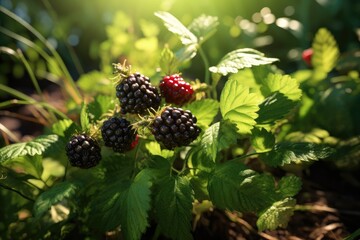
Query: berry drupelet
(175,90)
(83,151)
(175,127)
(118,134)
(137,95)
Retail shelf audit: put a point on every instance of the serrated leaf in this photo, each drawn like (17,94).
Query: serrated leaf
(203,27)
(176,27)
(84,117)
(232,186)
(289,186)
(205,110)
(176,194)
(217,137)
(239,106)
(288,152)
(186,53)
(326,51)
(262,140)
(95,82)
(101,105)
(239,59)
(64,128)
(283,84)
(278,215)
(28,164)
(117,167)
(34,147)
(154,148)
(54,195)
(274,107)
(124,203)
(168,62)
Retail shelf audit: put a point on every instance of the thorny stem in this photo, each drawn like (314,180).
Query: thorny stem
(18,192)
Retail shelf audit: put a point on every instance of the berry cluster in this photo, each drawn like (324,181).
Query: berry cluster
(83,151)
(175,127)
(175,90)
(137,95)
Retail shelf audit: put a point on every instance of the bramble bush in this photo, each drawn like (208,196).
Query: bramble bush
(185,159)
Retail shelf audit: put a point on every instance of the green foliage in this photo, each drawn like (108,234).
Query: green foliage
(277,215)
(262,140)
(125,204)
(239,59)
(326,52)
(239,106)
(217,137)
(232,186)
(263,120)
(289,186)
(173,206)
(31,148)
(288,152)
(205,111)
(54,195)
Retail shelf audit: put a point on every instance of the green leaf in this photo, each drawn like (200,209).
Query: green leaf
(186,53)
(102,104)
(117,167)
(54,195)
(239,59)
(278,215)
(239,105)
(173,206)
(274,107)
(205,111)
(64,128)
(95,82)
(154,148)
(326,51)
(288,152)
(168,62)
(354,235)
(289,186)
(232,186)
(28,164)
(262,140)
(203,27)
(217,137)
(84,118)
(283,84)
(124,203)
(176,27)
(35,147)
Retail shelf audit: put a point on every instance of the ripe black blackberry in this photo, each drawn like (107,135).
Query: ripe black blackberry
(175,127)
(137,95)
(118,134)
(83,151)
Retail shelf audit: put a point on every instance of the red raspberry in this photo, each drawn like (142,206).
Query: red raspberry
(307,55)
(176,90)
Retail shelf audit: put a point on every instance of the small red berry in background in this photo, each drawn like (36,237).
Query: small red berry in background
(175,90)
(134,143)
(307,55)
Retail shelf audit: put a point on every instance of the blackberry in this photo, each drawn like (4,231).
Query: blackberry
(118,134)
(175,127)
(83,151)
(175,90)
(137,95)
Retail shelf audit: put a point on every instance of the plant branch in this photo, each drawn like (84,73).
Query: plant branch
(18,192)
(206,66)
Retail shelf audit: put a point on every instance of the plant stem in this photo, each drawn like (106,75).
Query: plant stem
(18,192)
(206,66)
(157,233)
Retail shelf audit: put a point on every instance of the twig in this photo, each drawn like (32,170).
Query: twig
(319,208)
(241,221)
(18,192)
